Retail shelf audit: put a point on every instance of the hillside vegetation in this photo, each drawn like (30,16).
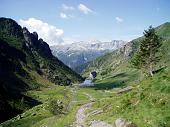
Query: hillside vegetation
(118,62)
(24,58)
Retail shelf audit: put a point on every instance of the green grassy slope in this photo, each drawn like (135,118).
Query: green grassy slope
(41,115)
(148,104)
(21,55)
(117,62)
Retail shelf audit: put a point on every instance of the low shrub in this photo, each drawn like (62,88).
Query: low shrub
(56,107)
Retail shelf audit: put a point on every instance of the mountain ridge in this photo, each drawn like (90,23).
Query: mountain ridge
(78,53)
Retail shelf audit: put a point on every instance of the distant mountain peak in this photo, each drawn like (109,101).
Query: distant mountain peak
(81,52)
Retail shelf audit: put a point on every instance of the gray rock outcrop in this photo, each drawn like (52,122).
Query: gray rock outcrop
(124,123)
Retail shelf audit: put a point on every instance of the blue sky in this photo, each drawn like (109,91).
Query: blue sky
(75,20)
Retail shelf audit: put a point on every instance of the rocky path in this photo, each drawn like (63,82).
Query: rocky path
(81,116)
(99,123)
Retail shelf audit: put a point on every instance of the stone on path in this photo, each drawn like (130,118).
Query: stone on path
(81,116)
(98,123)
(124,123)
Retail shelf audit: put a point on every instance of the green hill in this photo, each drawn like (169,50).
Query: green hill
(147,104)
(118,61)
(26,63)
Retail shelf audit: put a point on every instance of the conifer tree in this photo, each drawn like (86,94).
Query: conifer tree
(147,56)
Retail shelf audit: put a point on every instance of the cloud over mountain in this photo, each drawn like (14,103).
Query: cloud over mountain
(48,33)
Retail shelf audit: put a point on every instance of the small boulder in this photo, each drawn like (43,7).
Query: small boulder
(124,123)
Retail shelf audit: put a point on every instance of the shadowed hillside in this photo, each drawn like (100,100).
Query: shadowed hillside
(21,55)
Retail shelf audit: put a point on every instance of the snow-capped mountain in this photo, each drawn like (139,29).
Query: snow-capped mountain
(81,52)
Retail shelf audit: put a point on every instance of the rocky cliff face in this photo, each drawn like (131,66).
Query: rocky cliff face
(128,49)
(35,44)
(48,65)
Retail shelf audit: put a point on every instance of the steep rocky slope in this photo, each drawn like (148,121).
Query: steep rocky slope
(22,56)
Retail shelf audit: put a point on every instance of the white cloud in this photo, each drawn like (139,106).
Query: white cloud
(119,20)
(63,15)
(84,9)
(65,7)
(48,33)
(66,16)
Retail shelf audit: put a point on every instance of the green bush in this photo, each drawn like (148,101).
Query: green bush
(56,107)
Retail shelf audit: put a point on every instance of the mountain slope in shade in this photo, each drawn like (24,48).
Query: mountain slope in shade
(78,53)
(24,58)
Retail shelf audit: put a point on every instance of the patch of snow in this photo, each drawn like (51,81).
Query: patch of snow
(70,54)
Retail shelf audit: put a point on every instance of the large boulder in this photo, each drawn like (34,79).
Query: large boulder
(124,123)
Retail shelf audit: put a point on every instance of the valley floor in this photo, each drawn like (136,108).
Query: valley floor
(78,108)
(146,104)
